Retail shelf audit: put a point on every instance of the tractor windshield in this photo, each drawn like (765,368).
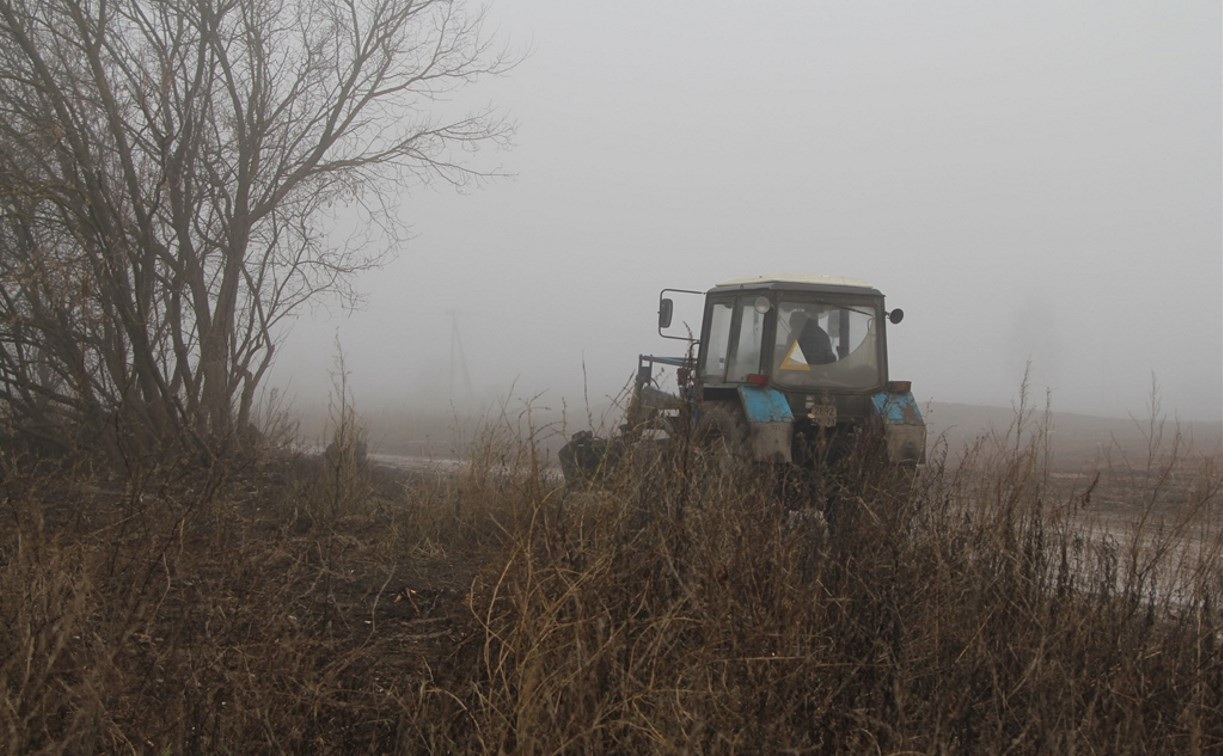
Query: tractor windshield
(827,344)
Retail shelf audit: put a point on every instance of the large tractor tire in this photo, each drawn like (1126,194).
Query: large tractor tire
(722,434)
(585,458)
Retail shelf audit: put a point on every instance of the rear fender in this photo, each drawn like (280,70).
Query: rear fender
(904,430)
(770,423)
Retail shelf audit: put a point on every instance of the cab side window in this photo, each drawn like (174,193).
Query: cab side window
(746,358)
(718,342)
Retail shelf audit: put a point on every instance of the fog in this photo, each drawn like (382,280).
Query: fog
(1035,184)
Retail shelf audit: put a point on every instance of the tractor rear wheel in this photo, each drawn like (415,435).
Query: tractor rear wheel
(722,433)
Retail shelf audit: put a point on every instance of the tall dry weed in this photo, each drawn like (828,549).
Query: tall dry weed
(979,606)
(679,607)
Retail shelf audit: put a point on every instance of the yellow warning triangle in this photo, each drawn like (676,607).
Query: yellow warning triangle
(790,363)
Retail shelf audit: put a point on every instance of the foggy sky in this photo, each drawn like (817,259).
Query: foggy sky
(1032,182)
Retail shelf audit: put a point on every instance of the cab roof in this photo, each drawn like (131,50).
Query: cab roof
(799,282)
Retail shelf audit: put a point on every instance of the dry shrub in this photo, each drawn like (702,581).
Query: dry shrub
(191,613)
(680,605)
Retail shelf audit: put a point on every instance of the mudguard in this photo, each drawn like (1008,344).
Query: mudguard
(904,429)
(770,423)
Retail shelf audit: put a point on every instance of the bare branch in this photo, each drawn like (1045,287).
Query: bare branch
(166,167)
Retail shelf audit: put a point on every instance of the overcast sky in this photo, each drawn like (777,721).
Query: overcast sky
(1032,182)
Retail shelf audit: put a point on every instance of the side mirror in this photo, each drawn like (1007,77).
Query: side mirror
(897,315)
(665,309)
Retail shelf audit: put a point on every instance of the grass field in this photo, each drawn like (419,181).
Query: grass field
(999,602)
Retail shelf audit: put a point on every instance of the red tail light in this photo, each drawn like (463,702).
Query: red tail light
(758,380)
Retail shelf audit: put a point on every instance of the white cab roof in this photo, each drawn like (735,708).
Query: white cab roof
(797,278)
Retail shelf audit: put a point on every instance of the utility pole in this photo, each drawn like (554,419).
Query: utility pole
(458,360)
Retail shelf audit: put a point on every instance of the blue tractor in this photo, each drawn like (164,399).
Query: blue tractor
(790,370)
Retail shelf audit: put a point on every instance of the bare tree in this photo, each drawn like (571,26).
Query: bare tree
(167,168)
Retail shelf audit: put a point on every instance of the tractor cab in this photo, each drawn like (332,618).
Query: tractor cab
(800,362)
(800,334)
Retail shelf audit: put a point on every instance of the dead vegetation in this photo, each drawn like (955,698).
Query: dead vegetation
(286,605)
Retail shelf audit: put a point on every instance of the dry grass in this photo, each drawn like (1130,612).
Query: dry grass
(286,606)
